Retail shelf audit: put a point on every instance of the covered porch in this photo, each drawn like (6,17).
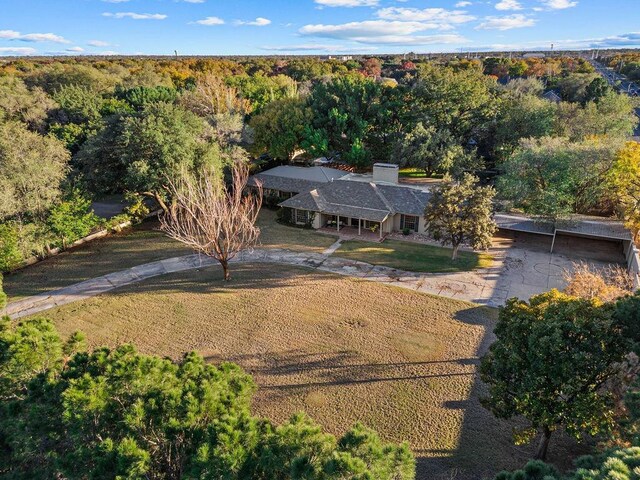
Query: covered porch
(347,226)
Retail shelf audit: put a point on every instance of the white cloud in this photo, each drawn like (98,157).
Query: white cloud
(210,21)
(437,15)
(381,32)
(508,5)
(17,51)
(347,3)
(258,22)
(366,28)
(506,23)
(413,40)
(559,4)
(97,43)
(32,37)
(463,4)
(310,47)
(136,16)
(75,49)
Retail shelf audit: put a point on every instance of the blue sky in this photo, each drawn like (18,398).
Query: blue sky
(229,27)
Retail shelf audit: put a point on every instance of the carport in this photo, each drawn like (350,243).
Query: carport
(594,238)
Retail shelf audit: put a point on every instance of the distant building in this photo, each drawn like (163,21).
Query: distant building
(552,96)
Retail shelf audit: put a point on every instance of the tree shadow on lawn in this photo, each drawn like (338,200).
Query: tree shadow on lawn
(485,444)
(244,276)
(330,369)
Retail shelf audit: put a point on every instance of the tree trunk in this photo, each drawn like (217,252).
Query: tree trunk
(543,446)
(225,270)
(454,255)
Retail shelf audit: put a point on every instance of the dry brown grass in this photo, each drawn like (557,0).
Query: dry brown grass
(343,350)
(142,244)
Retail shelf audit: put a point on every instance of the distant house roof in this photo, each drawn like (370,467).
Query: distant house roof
(368,201)
(287,178)
(579,225)
(552,96)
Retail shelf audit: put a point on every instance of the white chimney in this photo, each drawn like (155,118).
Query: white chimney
(385,173)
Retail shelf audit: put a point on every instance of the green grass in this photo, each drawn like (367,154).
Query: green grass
(415,173)
(413,257)
(127,249)
(277,235)
(135,246)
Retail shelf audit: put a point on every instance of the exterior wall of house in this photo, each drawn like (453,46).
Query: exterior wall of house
(318,220)
(422,225)
(397,221)
(392,224)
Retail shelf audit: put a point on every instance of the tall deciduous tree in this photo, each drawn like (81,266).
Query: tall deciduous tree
(353,115)
(32,168)
(459,101)
(280,128)
(139,151)
(521,116)
(624,177)
(19,103)
(553,177)
(612,116)
(212,96)
(212,218)
(433,151)
(551,358)
(461,212)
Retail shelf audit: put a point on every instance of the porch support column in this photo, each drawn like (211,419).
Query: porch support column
(338,222)
(553,242)
(381,230)
(359,226)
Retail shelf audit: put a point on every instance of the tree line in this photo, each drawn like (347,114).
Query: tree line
(72,131)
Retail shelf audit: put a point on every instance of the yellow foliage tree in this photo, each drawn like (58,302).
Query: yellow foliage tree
(624,177)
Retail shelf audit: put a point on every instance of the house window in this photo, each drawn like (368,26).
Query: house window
(302,216)
(410,222)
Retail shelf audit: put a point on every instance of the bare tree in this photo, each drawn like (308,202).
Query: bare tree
(212,218)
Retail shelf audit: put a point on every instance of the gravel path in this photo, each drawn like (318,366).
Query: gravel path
(478,286)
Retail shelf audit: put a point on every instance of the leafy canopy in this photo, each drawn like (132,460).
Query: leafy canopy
(114,414)
(461,212)
(551,357)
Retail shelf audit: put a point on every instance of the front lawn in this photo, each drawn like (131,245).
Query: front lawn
(342,350)
(142,244)
(277,235)
(414,257)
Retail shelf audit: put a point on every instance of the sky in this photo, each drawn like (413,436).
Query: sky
(270,27)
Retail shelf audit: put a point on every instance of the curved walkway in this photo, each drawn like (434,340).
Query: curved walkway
(479,286)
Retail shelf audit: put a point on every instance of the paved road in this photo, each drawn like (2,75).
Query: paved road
(620,82)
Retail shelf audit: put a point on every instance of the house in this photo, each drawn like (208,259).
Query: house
(286,180)
(552,96)
(376,202)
